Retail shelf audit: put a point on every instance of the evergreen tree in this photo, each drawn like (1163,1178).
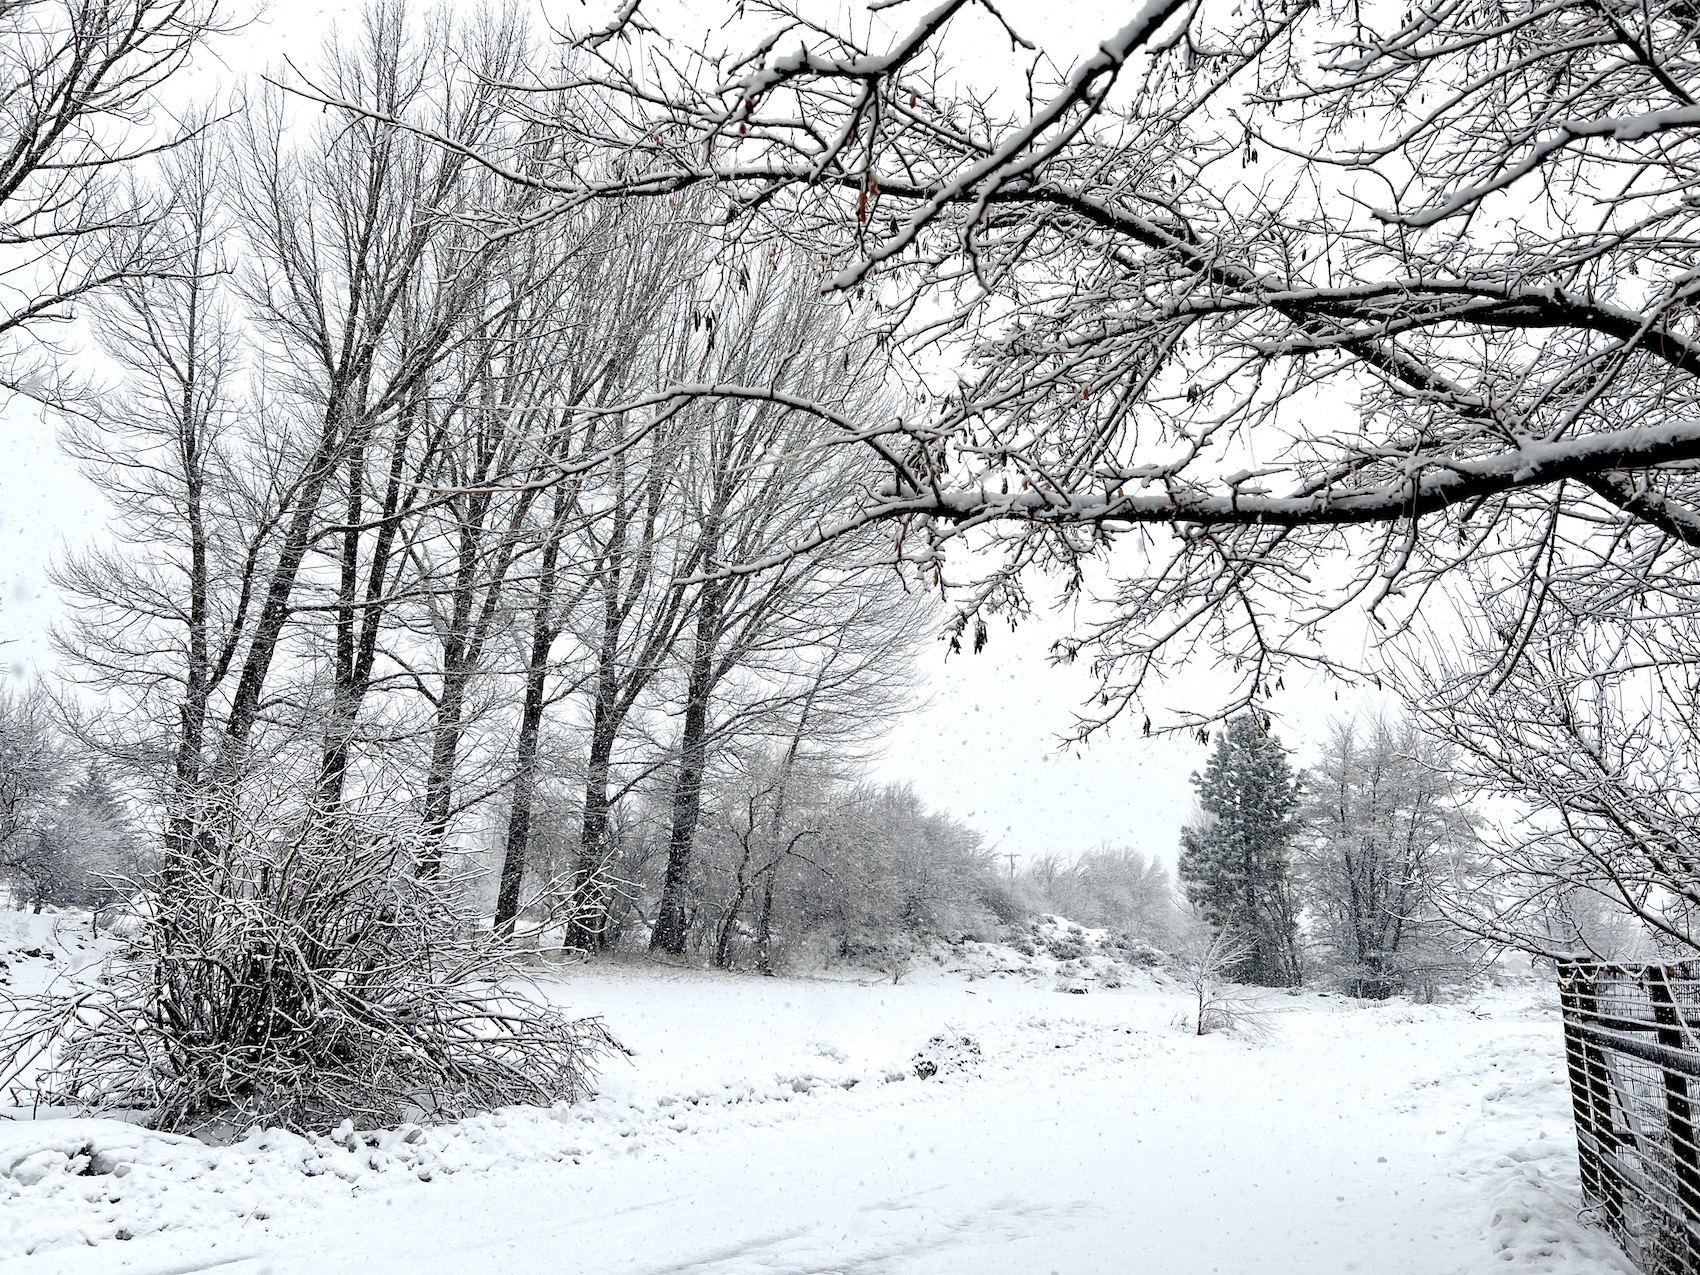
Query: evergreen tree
(1236,862)
(85,853)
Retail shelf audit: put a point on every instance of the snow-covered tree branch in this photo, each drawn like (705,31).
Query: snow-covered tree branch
(1301,292)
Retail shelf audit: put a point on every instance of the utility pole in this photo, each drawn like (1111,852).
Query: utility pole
(1011,859)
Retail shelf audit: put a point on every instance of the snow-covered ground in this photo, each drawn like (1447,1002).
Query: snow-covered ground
(781,1126)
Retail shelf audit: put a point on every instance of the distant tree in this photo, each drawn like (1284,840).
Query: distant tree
(1383,818)
(32,773)
(62,844)
(1236,860)
(155,618)
(879,875)
(1117,889)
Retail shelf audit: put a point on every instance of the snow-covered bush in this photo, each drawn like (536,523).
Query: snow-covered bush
(1135,952)
(949,1053)
(1064,942)
(1207,959)
(297,971)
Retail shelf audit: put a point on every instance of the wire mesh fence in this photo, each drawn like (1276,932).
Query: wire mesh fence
(1632,1039)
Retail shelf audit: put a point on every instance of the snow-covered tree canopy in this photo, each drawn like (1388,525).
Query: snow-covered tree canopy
(1307,284)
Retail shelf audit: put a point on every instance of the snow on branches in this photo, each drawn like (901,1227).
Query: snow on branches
(1308,294)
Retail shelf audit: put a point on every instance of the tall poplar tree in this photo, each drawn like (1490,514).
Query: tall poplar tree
(1236,861)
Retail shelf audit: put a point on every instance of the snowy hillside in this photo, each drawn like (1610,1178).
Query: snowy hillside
(972,1117)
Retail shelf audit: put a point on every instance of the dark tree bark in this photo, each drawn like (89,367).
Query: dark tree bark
(517,841)
(670,931)
(362,610)
(545,629)
(625,573)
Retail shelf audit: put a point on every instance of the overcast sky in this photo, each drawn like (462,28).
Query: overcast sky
(986,746)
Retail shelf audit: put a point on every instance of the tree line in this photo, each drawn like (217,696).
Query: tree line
(413,635)
(1258,317)
(1362,850)
(381,524)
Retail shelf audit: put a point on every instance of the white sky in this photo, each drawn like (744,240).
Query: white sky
(986,747)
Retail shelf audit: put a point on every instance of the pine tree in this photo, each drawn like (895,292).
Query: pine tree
(86,853)
(1236,862)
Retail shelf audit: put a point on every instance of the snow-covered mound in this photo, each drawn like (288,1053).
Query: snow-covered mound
(91,1180)
(39,949)
(1049,951)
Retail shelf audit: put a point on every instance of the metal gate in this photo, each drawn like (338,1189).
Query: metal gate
(1632,1036)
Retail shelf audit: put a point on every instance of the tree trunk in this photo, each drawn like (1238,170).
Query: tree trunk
(764,923)
(587,922)
(458,659)
(275,609)
(670,928)
(463,651)
(440,773)
(723,940)
(358,625)
(545,628)
(198,676)
(587,925)
(525,779)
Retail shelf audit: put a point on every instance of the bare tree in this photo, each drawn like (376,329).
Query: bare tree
(777,814)
(1383,822)
(633,614)
(763,812)
(847,703)
(758,472)
(474,533)
(1208,958)
(196,475)
(1118,889)
(617,306)
(32,776)
(1583,734)
(80,84)
(364,269)
(229,499)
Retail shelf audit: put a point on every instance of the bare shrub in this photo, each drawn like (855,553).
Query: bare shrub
(1205,960)
(297,972)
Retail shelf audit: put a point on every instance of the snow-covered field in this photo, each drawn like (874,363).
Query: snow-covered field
(780,1126)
